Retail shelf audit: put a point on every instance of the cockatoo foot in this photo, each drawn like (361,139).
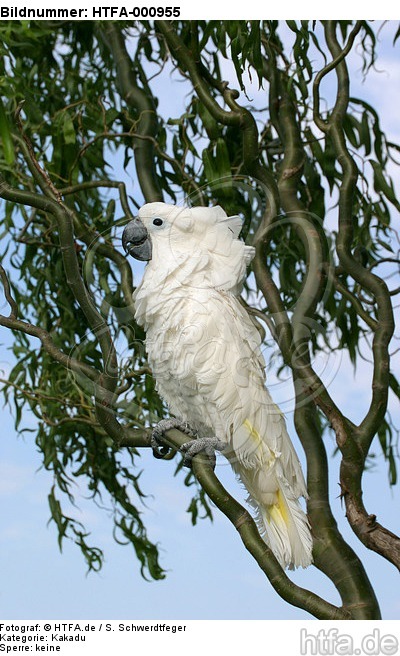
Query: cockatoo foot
(207,444)
(160,450)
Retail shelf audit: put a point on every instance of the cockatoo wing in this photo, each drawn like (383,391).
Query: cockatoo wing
(228,256)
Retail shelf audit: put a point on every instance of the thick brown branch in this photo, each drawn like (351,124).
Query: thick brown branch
(332,554)
(371,533)
(340,54)
(142,104)
(379,539)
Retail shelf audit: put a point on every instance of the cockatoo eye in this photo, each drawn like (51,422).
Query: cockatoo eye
(158,222)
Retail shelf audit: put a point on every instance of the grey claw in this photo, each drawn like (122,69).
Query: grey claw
(160,450)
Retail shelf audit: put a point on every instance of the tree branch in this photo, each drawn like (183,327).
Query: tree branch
(346,293)
(107,381)
(332,554)
(67,361)
(7,293)
(142,104)
(372,534)
(252,540)
(237,116)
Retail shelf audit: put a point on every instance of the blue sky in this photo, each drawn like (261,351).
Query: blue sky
(210,576)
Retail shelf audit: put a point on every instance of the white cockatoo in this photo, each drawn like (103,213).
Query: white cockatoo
(205,354)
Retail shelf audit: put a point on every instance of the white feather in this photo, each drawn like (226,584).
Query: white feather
(205,354)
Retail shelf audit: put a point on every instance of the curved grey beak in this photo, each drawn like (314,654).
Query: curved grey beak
(136,240)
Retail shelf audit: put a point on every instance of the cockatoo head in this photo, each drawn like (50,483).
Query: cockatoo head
(200,245)
(156,222)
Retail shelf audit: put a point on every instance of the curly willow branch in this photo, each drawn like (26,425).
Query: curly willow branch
(332,554)
(142,104)
(370,532)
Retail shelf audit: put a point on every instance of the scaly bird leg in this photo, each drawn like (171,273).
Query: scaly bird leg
(160,450)
(207,444)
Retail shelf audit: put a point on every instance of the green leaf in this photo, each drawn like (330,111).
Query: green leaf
(68,129)
(381,184)
(6,137)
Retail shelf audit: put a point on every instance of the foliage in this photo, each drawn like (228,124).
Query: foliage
(82,109)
